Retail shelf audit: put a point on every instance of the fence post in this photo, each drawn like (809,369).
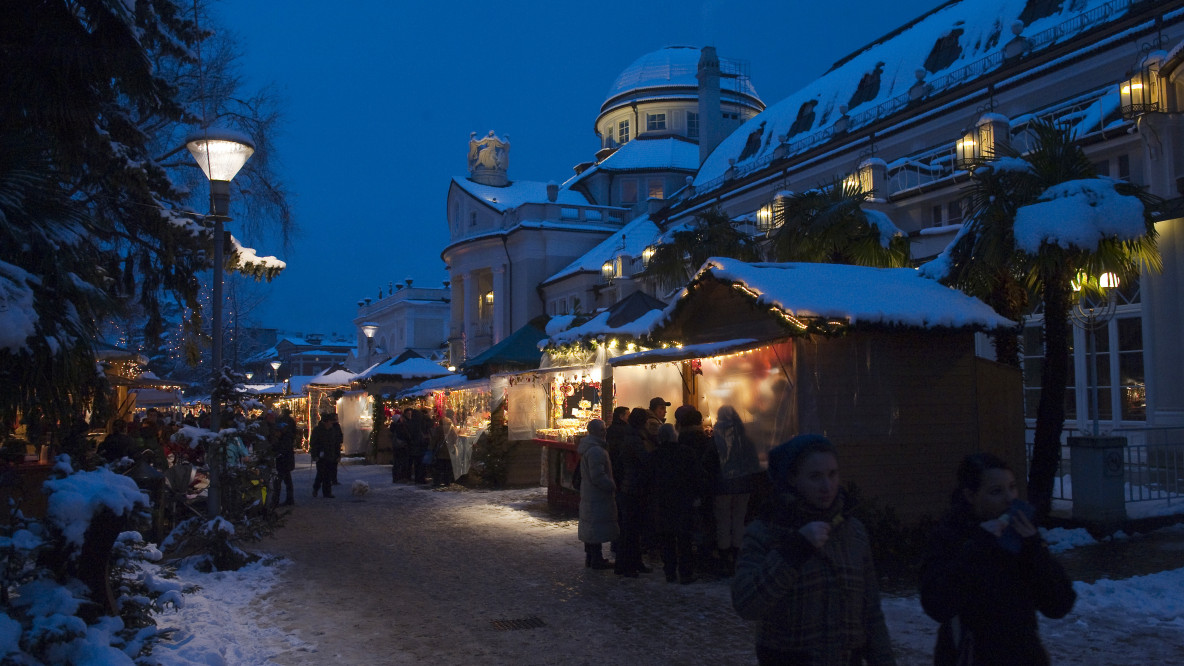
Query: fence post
(1098,472)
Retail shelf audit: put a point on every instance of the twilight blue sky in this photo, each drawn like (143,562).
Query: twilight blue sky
(380,96)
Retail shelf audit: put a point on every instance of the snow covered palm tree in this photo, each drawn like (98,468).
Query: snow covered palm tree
(830,225)
(1044,220)
(712,234)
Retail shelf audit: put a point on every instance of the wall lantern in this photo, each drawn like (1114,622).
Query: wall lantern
(607,271)
(1139,94)
(489,297)
(647,254)
(965,151)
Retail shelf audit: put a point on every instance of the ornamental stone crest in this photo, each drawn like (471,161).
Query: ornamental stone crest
(489,159)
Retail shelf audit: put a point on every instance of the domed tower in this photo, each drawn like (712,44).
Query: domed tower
(663,93)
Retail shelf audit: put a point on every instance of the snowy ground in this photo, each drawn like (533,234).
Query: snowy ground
(406,575)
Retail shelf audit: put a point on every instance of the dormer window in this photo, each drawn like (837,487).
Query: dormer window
(655,122)
(623,131)
(805,119)
(945,51)
(869,87)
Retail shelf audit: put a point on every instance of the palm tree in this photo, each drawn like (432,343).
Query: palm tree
(712,234)
(1019,243)
(829,225)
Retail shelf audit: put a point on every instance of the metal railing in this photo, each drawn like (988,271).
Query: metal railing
(1152,472)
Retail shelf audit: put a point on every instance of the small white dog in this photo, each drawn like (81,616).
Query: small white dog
(359,488)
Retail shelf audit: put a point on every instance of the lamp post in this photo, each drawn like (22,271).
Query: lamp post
(1090,317)
(275,370)
(220,153)
(369,330)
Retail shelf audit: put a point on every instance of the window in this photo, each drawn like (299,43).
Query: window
(692,124)
(629,190)
(1124,167)
(623,131)
(1103,168)
(473,219)
(937,218)
(655,122)
(563,306)
(731,115)
(1118,369)
(655,188)
(954,212)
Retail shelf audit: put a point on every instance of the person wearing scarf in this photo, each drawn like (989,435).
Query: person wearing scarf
(805,572)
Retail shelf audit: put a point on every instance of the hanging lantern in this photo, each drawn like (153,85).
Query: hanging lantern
(1140,93)
(966,150)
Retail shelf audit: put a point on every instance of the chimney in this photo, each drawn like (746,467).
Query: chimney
(552,191)
(710,110)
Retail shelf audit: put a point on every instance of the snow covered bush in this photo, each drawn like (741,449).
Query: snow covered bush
(73,588)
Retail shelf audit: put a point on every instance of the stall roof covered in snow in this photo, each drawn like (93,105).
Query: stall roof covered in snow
(954,44)
(631,317)
(446,383)
(857,294)
(332,378)
(682,352)
(631,239)
(517,193)
(415,367)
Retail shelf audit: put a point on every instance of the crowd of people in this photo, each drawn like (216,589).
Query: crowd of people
(422,446)
(676,489)
(800,563)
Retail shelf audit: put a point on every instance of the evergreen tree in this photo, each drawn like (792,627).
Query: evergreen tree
(93,221)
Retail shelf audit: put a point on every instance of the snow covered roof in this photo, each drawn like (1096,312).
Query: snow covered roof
(952,45)
(632,317)
(857,294)
(635,236)
(407,368)
(446,383)
(518,193)
(647,153)
(334,378)
(702,350)
(673,66)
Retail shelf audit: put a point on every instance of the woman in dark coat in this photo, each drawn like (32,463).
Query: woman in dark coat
(633,486)
(805,572)
(598,504)
(988,572)
(678,483)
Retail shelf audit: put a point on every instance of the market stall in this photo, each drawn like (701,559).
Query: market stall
(468,400)
(882,361)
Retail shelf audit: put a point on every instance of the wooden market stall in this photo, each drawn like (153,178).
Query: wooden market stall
(882,361)
(577,353)
(469,402)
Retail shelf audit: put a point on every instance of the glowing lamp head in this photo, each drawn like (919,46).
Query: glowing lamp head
(369,330)
(275,365)
(1108,281)
(220,152)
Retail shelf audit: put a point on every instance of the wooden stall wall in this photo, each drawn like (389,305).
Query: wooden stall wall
(903,407)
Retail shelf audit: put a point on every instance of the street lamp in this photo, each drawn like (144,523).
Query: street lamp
(275,370)
(250,375)
(369,330)
(220,153)
(1090,316)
